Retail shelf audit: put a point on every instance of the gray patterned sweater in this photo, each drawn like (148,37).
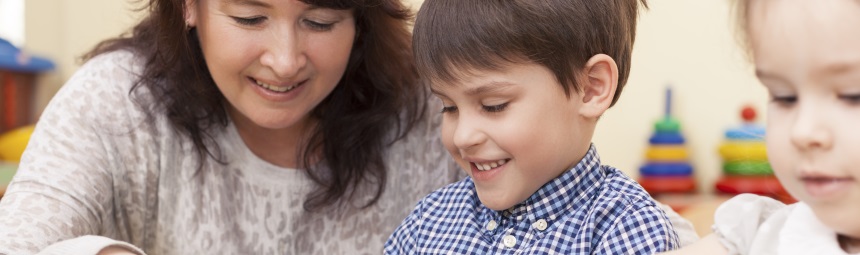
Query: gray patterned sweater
(97,172)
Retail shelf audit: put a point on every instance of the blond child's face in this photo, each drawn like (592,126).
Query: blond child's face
(511,130)
(807,54)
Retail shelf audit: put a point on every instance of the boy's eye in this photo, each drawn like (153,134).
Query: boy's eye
(249,21)
(495,108)
(318,26)
(449,109)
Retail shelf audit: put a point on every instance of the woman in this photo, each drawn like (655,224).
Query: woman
(232,127)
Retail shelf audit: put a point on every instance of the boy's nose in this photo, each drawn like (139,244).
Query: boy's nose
(285,54)
(468,133)
(810,129)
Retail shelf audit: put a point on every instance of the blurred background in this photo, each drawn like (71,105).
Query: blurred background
(688,45)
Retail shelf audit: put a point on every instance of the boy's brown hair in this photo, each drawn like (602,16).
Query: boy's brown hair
(452,36)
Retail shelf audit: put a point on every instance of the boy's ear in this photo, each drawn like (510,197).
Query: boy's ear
(599,82)
(190,13)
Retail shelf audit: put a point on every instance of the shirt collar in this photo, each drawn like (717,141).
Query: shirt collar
(554,198)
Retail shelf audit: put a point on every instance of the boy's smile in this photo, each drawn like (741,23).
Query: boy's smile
(512,130)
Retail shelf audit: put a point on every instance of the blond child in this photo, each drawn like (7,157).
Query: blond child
(807,55)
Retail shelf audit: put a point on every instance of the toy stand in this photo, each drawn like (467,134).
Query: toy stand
(667,175)
(745,165)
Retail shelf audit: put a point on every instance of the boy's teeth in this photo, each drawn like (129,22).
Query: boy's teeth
(275,88)
(491,165)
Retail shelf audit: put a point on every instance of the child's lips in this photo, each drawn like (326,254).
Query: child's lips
(826,187)
(485,171)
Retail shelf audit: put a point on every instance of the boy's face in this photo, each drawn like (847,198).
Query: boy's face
(512,130)
(807,54)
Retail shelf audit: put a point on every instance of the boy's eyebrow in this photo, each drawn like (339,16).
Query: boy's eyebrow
(488,87)
(482,89)
(250,3)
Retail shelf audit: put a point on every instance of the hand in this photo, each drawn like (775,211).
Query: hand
(116,250)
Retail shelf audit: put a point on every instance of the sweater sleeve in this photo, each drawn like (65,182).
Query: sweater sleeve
(87,245)
(64,187)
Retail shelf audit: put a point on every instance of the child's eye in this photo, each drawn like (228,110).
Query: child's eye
(249,21)
(495,108)
(449,109)
(851,99)
(318,26)
(784,100)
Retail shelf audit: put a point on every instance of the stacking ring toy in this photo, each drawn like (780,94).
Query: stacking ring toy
(668,184)
(740,151)
(666,138)
(667,125)
(762,185)
(666,153)
(747,168)
(746,132)
(666,169)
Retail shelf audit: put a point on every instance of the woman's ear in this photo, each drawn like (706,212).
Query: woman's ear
(598,84)
(190,14)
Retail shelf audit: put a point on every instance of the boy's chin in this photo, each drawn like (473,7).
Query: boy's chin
(497,202)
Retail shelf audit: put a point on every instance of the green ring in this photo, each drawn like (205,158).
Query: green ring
(747,168)
(667,125)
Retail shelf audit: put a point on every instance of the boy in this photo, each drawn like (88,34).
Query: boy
(523,83)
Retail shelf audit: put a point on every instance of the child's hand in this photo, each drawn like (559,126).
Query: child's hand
(115,250)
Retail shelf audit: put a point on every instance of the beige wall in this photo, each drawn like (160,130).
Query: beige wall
(690,45)
(684,43)
(63,30)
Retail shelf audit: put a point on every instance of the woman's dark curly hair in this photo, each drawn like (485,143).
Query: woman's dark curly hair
(378,95)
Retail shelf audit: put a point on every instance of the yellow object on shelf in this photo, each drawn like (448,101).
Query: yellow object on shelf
(743,151)
(666,153)
(13,143)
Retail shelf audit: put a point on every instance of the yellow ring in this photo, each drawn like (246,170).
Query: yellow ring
(741,151)
(666,153)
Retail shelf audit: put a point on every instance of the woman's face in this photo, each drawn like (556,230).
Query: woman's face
(274,61)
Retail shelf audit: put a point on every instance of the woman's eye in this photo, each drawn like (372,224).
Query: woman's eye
(318,26)
(250,21)
(495,108)
(449,109)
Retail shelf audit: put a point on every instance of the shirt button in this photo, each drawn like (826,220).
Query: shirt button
(509,241)
(540,224)
(492,225)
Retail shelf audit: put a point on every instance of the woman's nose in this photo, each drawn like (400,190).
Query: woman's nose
(285,54)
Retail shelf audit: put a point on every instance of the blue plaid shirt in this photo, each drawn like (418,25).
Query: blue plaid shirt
(591,209)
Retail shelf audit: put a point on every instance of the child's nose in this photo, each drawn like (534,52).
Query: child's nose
(468,133)
(810,129)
